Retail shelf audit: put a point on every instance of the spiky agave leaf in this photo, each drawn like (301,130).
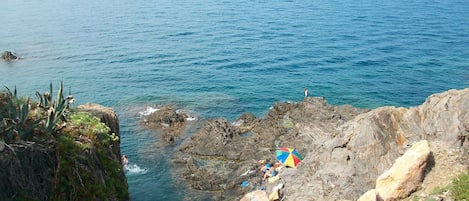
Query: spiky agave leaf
(56,109)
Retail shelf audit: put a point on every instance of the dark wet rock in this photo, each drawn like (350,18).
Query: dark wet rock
(165,117)
(9,56)
(169,121)
(216,139)
(225,152)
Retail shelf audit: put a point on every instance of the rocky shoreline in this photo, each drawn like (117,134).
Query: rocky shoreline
(345,149)
(349,153)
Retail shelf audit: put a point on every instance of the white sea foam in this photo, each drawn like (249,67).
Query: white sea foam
(134,169)
(191,118)
(148,111)
(191,115)
(237,123)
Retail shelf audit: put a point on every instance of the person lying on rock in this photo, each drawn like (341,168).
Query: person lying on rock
(272,172)
(265,166)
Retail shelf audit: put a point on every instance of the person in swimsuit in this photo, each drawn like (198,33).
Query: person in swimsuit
(272,171)
(125,161)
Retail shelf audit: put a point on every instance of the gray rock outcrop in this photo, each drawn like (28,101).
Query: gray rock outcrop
(344,148)
(167,120)
(356,153)
(222,151)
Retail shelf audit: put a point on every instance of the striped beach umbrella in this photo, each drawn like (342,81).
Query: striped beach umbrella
(288,156)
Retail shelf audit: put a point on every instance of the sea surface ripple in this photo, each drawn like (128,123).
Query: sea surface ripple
(224,58)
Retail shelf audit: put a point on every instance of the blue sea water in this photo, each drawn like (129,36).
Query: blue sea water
(224,58)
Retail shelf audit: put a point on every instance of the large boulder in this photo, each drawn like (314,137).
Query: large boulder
(257,195)
(404,177)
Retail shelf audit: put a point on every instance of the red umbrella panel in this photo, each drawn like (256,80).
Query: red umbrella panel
(288,156)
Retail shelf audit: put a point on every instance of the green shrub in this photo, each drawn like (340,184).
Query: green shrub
(439,190)
(87,169)
(460,187)
(88,125)
(92,128)
(76,179)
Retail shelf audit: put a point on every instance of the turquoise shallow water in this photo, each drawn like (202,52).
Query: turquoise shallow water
(223,58)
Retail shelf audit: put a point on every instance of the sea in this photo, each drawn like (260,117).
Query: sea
(220,59)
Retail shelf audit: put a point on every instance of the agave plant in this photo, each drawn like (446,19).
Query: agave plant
(56,110)
(14,115)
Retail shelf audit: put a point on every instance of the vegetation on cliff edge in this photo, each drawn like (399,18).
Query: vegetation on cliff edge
(85,169)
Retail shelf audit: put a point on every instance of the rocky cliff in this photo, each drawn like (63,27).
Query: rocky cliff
(344,148)
(348,161)
(65,167)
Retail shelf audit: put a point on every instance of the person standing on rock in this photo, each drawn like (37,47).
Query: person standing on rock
(306,92)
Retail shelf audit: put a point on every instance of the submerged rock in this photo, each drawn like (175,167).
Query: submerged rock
(9,56)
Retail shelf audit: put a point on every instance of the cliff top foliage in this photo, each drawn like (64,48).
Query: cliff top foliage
(81,142)
(23,118)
